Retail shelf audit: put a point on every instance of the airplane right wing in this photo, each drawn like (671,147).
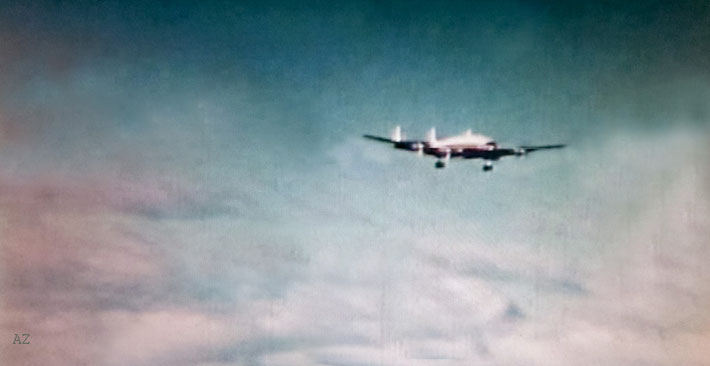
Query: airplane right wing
(528,149)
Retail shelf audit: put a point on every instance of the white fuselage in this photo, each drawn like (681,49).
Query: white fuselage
(467,140)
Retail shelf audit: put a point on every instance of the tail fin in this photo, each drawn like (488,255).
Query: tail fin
(431,136)
(397,134)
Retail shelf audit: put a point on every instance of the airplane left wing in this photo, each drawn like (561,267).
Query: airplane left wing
(377,138)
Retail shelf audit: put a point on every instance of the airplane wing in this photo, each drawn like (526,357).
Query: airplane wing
(377,138)
(528,149)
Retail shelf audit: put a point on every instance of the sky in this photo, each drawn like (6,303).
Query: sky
(186,183)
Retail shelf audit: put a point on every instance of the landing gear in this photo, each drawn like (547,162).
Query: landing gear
(441,163)
(487,166)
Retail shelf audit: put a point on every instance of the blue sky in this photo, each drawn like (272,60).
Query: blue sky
(186,184)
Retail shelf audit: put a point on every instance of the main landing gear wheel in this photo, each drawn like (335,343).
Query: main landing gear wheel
(487,166)
(441,163)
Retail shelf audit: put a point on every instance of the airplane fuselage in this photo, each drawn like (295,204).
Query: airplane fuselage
(489,152)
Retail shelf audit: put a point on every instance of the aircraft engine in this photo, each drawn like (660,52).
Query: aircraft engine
(409,145)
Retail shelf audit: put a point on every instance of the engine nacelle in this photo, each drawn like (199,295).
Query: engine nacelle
(409,145)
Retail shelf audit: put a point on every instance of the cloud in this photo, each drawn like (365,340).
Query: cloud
(223,289)
(177,337)
(68,256)
(645,286)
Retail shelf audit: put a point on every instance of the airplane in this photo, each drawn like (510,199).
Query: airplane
(467,145)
